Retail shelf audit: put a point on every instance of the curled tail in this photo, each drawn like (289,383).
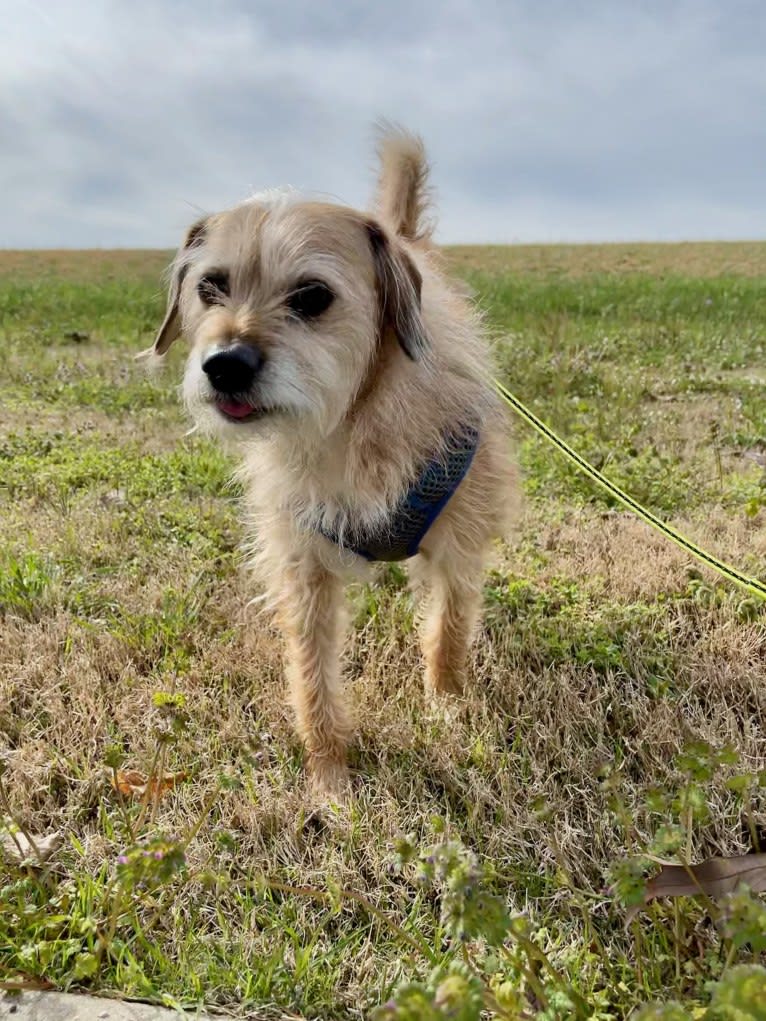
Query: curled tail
(403,195)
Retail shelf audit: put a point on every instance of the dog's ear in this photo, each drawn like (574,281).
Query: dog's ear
(399,284)
(171,325)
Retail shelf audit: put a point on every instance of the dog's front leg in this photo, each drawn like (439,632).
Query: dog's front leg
(311,615)
(452,608)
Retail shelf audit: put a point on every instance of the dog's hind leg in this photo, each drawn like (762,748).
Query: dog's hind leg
(452,605)
(311,614)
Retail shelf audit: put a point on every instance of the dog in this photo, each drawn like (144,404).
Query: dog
(354,380)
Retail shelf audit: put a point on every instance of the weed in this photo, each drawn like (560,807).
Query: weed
(25,584)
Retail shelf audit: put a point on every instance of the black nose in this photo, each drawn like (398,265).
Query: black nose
(233,369)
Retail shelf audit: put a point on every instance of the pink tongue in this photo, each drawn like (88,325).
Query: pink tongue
(235,409)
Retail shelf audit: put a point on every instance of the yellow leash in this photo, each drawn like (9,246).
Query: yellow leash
(753,585)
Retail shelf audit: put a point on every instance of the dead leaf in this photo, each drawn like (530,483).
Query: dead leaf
(20,847)
(20,982)
(133,784)
(22,985)
(715,877)
(663,398)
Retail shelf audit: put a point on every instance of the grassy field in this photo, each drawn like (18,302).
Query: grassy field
(126,642)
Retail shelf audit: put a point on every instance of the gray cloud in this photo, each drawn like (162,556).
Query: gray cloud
(544,121)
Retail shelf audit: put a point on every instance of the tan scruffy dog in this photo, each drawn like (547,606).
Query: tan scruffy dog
(356,380)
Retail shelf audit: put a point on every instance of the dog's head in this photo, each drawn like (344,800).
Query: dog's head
(286,304)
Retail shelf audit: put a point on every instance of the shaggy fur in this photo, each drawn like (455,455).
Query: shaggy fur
(348,406)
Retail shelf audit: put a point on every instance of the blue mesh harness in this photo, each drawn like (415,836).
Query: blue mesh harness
(401,535)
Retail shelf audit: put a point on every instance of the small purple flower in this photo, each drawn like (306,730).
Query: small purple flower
(158,855)
(122,859)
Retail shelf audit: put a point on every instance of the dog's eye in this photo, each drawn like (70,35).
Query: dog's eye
(213,288)
(310,300)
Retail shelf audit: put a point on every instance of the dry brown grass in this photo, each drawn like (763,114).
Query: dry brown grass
(596,654)
(85,265)
(696,259)
(692,258)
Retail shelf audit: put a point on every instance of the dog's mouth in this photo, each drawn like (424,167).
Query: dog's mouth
(238,411)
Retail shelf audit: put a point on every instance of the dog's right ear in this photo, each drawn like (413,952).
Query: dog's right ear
(171,324)
(399,284)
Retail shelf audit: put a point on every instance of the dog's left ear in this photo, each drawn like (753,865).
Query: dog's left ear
(399,285)
(171,325)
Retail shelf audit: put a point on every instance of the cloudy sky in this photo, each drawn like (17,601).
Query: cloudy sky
(546,120)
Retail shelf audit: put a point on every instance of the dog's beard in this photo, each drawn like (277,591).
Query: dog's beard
(280,400)
(306,384)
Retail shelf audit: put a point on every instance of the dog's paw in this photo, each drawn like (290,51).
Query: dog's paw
(445,682)
(446,709)
(330,780)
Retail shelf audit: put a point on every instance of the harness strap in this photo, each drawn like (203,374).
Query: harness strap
(401,535)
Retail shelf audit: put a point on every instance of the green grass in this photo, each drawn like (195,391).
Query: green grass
(602,654)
